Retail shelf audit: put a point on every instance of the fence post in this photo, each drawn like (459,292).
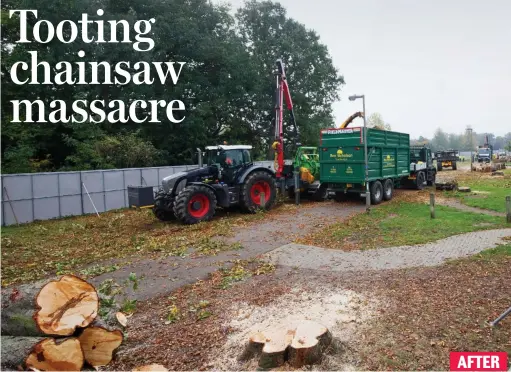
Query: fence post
(81,191)
(432,204)
(508,209)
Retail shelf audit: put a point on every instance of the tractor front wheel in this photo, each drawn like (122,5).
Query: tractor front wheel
(163,207)
(256,184)
(195,204)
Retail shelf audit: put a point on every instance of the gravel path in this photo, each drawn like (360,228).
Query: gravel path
(161,276)
(431,254)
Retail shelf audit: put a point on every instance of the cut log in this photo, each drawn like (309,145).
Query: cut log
(99,344)
(310,341)
(60,355)
(15,351)
(151,367)
(464,189)
(275,348)
(66,304)
(18,308)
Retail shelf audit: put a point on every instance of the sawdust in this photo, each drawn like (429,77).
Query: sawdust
(341,311)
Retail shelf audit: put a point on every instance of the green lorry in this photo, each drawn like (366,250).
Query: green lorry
(392,163)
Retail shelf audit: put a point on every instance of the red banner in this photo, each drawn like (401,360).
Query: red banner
(478,361)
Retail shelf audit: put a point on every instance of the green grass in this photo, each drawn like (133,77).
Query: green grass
(401,223)
(486,193)
(499,251)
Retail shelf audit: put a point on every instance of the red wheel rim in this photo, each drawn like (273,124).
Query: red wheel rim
(256,190)
(198,206)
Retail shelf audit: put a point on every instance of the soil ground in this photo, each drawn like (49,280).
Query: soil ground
(195,309)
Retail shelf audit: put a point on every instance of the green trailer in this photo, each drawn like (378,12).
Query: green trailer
(391,163)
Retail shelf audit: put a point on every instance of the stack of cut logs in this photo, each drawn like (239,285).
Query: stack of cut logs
(488,167)
(60,331)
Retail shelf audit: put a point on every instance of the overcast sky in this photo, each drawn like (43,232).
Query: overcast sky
(422,64)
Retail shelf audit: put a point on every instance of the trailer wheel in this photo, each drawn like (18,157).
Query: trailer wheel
(388,189)
(454,167)
(376,192)
(195,204)
(419,180)
(254,185)
(340,197)
(320,194)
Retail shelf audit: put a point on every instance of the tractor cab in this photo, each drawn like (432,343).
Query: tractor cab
(230,160)
(421,155)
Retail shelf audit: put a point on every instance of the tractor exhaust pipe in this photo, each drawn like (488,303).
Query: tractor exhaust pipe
(199,151)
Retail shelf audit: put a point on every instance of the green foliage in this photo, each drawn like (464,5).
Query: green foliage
(227,84)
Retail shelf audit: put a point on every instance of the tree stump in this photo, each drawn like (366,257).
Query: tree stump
(310,341)
(298,344)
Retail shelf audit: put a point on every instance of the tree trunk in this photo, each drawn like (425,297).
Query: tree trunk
(15,350)
(63,304)
(98,345)
(56,355)
(66,304)
(18,308)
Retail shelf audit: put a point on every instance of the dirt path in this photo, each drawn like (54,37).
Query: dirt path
(431,254)
(161,276)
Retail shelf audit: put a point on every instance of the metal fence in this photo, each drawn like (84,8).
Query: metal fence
(29,197)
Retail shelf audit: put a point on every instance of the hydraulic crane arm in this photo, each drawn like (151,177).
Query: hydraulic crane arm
(349,120)
(282,94)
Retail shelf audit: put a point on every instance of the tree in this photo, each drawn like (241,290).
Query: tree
(440,140)
(375,120)
(268,34)
(227,83)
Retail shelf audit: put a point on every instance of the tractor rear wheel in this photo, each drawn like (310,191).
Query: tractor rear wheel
(376,192)
(195,204)
(255,184)
(439,166)
(388,189)
(454,167)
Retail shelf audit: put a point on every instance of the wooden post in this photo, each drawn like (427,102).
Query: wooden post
(508,209)
(262,200)
(297,187)
(432,204)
